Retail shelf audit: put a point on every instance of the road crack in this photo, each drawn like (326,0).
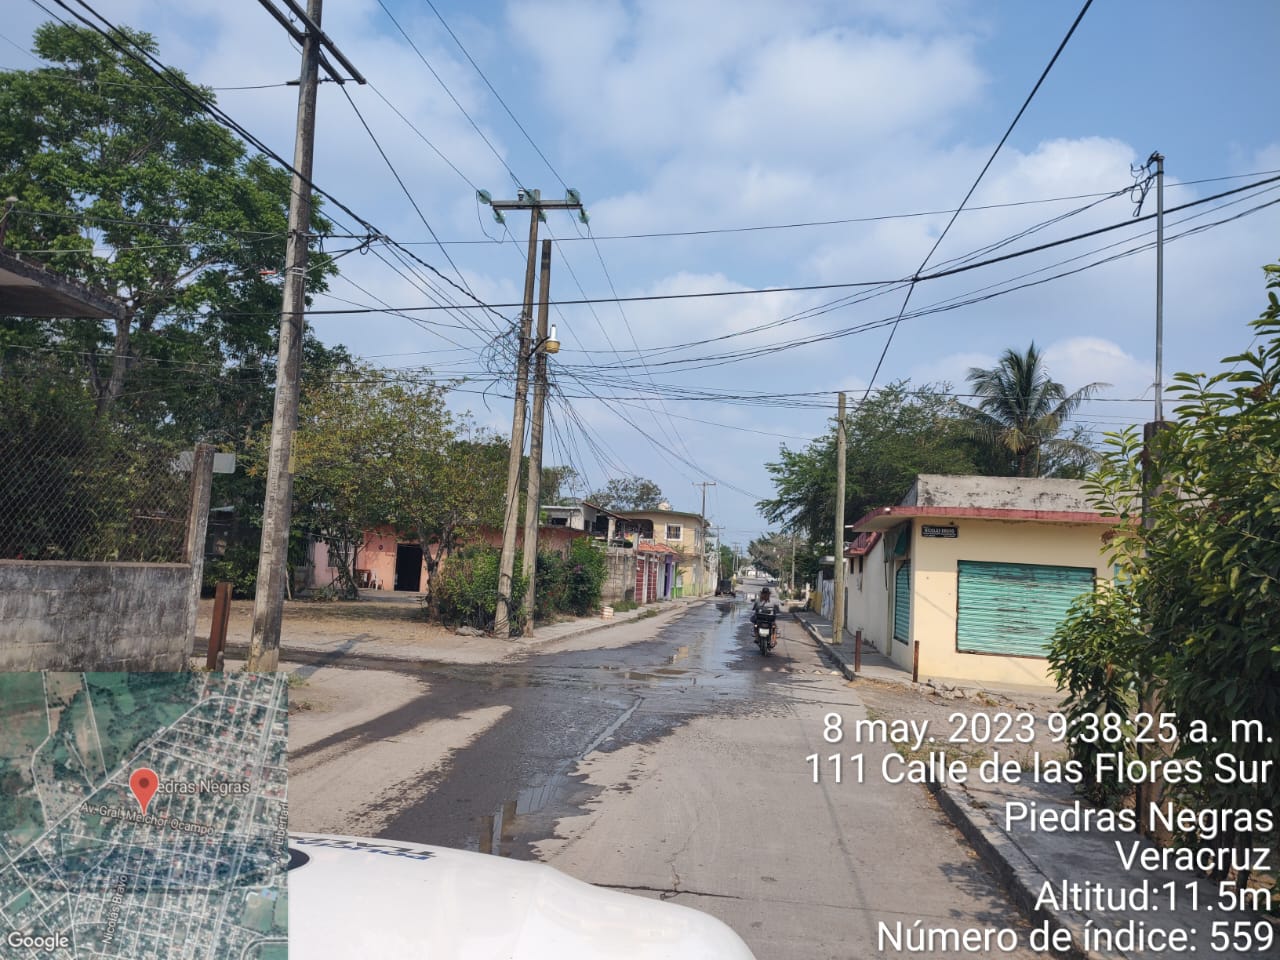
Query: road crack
(667,893)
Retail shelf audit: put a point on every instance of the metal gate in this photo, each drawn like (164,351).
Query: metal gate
(1014,608)
(902,603)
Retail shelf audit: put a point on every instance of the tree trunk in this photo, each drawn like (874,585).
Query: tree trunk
(119,364)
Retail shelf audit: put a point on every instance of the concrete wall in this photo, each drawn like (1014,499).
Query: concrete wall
(1009,493)
(868,597)
(620,582)
(57,615)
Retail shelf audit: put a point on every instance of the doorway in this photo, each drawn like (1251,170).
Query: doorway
(408,567)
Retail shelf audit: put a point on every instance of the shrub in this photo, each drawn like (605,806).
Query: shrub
(585,575)
(467,588)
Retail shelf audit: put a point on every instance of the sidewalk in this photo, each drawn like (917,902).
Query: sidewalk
(401,642)
(1076,881)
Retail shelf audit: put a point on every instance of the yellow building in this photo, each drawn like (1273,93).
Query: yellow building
(977,572)
(685,534)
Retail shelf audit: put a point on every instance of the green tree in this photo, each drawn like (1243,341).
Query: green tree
(1201,575)
(726,561)
(125,184)
(628,493)
(898,433)
(770,553)
(451,492)
(558,483)
(1021,415)
(347,454)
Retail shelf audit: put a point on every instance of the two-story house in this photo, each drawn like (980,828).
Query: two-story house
(690,574)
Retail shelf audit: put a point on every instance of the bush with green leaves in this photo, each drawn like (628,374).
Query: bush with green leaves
(1203,571)
(467,585)
(585,572)
(1093,655)
(466,591)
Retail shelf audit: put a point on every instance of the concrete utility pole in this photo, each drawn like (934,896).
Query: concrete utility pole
(792,589)
(837,598)
(534,485)
(701,582)
(268,607)
(532,201)
(1159,159)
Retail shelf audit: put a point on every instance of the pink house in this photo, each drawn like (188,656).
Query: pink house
(387,560)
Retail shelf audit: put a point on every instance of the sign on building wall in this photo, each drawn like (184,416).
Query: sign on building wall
(947,533)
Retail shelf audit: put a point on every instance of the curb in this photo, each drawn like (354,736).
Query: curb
(845,667)
(615,622)
(1016,871)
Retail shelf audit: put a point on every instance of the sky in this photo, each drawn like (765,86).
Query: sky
(733,147)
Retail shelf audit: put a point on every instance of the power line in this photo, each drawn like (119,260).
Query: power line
(182,86)
(936,275)
(475,126)
(498,96)
(1021,110)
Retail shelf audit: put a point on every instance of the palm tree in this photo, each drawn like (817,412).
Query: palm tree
(1021,413)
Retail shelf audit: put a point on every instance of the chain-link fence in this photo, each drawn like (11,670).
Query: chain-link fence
(76,486)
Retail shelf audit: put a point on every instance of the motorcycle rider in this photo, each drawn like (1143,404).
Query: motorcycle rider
(762,604)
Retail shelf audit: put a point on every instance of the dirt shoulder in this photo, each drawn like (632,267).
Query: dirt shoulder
(394,630)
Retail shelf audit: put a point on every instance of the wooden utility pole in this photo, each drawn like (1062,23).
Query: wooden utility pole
(837,598)
(277,511)
(532,201)
(534,487)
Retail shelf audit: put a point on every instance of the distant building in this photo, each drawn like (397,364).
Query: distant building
(685,535)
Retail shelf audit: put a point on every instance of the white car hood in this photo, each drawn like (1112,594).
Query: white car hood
(362,898)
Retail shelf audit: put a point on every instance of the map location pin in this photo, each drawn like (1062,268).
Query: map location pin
(144,782)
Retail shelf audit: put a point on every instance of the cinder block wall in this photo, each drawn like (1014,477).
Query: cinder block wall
(620,584)
(59,615)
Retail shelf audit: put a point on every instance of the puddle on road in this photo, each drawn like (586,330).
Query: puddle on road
(510,788)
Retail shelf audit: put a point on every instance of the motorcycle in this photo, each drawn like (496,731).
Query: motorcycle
(765,630)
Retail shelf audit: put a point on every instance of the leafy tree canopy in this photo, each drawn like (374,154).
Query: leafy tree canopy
(372,450)
(897,433)
(628,493)
(1193,615)
(771,553)
(125,184)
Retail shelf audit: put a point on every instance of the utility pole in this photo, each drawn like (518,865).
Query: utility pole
(273,568)
(1159,159)
(1149,701)
(532,201)
(700,584)
(534,486)
(792,590)
(837,598)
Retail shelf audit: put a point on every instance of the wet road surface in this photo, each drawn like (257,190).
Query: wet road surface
(674,766)
(505,790)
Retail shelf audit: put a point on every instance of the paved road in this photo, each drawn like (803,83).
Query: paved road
(673,765)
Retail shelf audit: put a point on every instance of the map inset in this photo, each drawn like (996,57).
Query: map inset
(85,872)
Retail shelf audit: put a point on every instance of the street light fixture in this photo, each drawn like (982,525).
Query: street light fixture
(548,344)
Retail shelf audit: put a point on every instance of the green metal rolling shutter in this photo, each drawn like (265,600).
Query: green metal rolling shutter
(1013,608)
(902,603)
